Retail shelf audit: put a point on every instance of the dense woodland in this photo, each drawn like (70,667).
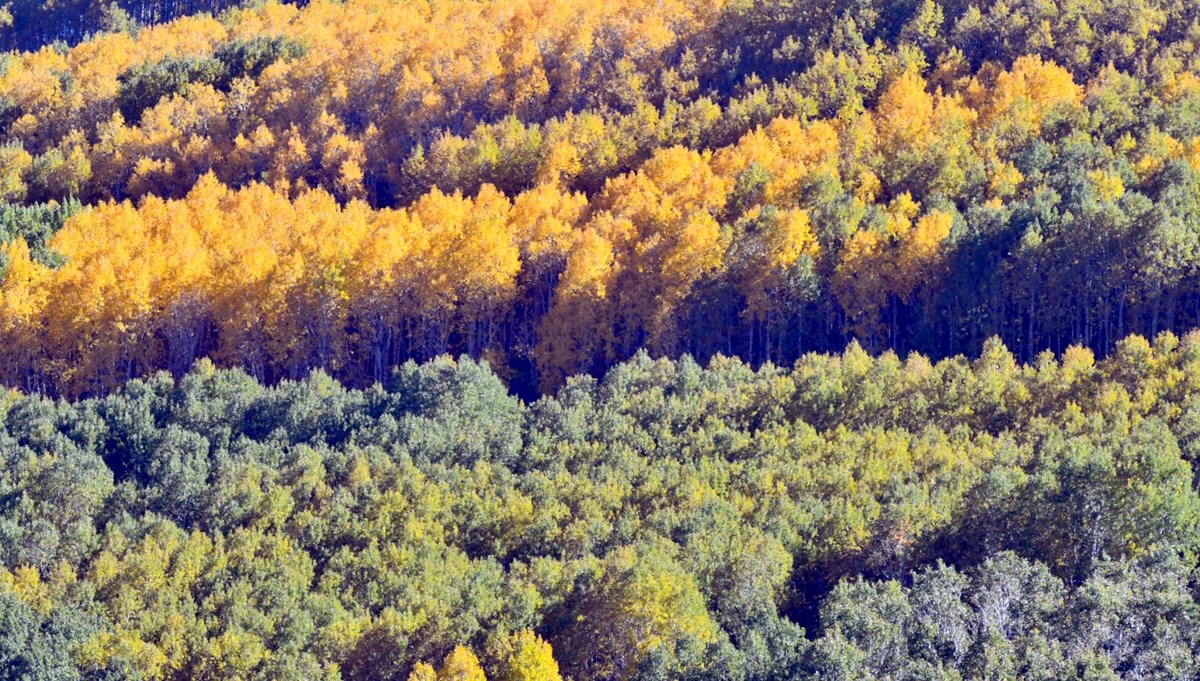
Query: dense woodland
(795,339)
(555,185)
(848,518)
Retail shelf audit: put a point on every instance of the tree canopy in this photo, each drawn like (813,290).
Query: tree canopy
(851,516)
(604,341)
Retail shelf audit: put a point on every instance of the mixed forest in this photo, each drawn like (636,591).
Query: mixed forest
(533,340)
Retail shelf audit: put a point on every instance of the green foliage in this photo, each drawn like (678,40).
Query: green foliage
(248,58)
(984,176)
(35,224)
(950,520)
(37,647)
(146,84)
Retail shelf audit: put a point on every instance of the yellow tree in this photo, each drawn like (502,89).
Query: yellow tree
(313,280)
(785,152)
(423,672)
(859,283)
(383,288)
(644,602)
(661,221)
(23,298)
(1015,102)
(768,247)
(879,268)
(924,139)
(545,224)
(577,332)
(100,311)
(15,163)
(524,656)
(469,272)
(461,665)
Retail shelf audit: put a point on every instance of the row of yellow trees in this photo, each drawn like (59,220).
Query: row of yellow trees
(256,278)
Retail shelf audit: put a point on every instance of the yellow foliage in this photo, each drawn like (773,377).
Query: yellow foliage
(461,665)
(874,266)
(526,657)
(409,72)
(779,240)
(786,150)
(14,164)
(423,672)
(1019,99)
(26,583)
(664,234)
(1108,185)
(904,115)
(147,659)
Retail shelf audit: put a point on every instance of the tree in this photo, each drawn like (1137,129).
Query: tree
(461,665)
(640,605)
(524,656)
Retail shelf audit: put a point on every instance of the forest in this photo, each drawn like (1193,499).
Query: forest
(348,186)
(851,517)
(563,340)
